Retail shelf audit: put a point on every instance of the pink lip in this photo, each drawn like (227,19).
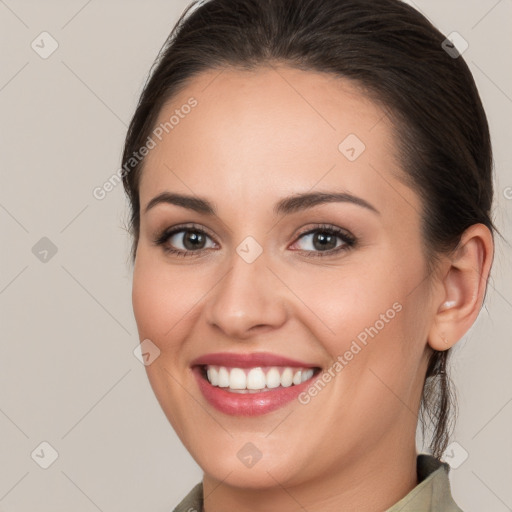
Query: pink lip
(233,360)
(247,404)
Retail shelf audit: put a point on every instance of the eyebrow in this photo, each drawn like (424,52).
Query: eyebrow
(287,205)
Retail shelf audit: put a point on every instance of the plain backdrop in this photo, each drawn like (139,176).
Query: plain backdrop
(68,374)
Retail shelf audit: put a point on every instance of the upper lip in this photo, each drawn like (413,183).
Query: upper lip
(244,360)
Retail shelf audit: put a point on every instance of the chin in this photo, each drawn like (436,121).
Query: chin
(240,464)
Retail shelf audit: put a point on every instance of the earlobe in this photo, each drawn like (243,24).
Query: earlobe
(438,341)
(463,288)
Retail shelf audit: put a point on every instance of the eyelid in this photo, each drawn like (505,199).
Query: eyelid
(166,233)
(349,241)
(324,227)
(347,238)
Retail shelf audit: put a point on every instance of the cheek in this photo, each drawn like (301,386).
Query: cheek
(160,299)
(372,319)
(147,294)
(349,304)
(356,301)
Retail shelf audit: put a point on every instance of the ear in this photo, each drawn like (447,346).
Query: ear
(462,289)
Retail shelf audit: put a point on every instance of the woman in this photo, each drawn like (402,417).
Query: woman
(310,185)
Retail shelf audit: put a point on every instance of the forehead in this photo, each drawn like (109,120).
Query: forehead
(255,136)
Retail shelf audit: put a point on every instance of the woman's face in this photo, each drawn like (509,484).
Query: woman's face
(262,275)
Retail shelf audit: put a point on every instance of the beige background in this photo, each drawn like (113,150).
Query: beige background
(68,375)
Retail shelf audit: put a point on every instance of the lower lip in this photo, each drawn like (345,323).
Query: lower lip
(248,404)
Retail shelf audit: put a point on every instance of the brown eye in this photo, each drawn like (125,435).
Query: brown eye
(184,240)
(193,240)
(326,239)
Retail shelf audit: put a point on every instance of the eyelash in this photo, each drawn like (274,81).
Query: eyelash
(348,240)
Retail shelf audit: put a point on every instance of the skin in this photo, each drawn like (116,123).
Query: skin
(254,138)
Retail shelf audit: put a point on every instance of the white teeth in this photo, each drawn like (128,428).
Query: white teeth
(287,378)
(273,378)
(237,379)
(255,379)
(223,378)
(213,376)
(306,375)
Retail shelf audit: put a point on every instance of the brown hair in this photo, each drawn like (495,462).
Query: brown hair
(398,58)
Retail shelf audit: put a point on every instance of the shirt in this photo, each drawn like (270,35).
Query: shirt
(432,494)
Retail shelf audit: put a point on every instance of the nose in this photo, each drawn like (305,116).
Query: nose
(249,299)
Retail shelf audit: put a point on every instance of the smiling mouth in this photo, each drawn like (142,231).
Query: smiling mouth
(257,379)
